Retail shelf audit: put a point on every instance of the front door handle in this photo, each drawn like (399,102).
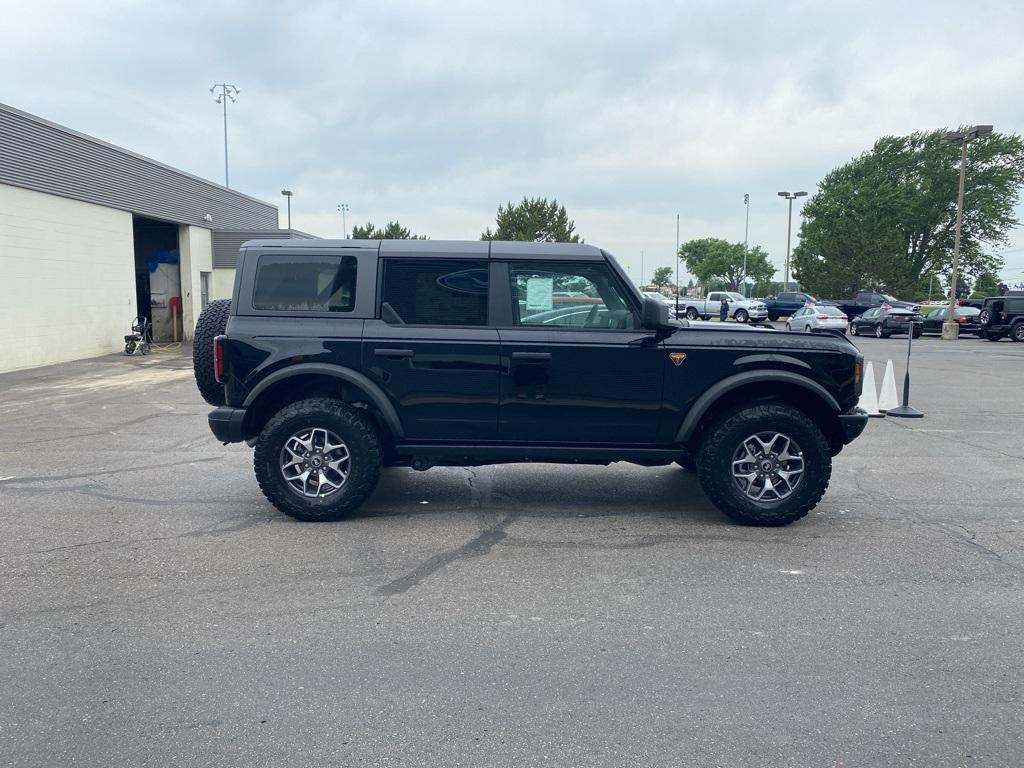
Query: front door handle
(531,356)
(394,354)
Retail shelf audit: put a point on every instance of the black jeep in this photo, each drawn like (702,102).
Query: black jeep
(337,358)
(1002,316)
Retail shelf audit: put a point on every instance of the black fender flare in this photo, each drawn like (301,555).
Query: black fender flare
(704,403)
(374,392)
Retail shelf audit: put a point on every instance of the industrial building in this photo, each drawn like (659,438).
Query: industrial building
(92,235)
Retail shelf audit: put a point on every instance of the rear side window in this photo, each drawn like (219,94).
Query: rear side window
(305,283)
(436,292)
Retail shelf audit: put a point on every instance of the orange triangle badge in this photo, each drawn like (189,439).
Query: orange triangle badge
(677,357)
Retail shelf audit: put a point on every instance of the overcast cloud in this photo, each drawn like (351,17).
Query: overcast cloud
(433,113)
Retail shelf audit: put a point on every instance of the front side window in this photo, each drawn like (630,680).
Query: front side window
(435,291)
(569,295)
(305,283)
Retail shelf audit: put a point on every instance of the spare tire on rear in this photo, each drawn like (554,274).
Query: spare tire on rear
(213,320)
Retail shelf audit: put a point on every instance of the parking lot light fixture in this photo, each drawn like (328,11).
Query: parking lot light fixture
(789,229)
(950,329)
(343,209)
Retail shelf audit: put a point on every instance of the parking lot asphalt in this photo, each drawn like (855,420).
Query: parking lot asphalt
(156,610)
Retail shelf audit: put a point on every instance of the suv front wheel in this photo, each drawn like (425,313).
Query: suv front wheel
(318,459)
(765,464)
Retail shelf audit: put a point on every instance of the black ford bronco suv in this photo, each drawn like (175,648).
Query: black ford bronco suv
(337,358)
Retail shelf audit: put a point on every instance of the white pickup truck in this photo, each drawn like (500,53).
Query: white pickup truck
(740,309)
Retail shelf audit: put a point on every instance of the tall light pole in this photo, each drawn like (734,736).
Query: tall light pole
(950,329)
(789,229)
(288,196)
(227,91)
(677,265)
(746,242)
(343,209)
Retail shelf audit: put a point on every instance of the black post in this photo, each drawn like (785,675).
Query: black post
(905,411)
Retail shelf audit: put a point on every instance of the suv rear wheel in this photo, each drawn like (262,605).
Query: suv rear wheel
(1017,332)
(764,464)
(318,459)
(213,320)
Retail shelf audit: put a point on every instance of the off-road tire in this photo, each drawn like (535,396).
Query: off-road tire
(360,437)
(212,322)
(741,316)
(1017,332)
(724,435)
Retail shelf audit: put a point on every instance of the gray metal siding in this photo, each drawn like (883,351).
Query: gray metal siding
(226,243)
(39,155)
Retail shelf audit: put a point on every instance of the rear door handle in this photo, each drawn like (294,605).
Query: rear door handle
(531,355)
(394,354)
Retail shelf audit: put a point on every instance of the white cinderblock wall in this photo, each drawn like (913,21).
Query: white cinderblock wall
(195,250)
(67,279)
(223,284)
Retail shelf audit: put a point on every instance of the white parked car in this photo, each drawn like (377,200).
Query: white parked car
(822,316)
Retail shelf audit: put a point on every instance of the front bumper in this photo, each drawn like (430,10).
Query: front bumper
(226,424)
(754,314)
(853,423)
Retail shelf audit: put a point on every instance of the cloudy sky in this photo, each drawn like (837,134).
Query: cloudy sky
(433,113)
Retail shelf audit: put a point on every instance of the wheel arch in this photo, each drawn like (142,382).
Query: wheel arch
(800,392)
(305,380)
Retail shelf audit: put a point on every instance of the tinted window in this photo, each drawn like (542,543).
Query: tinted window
(569,295)
(1015,305)
(305,283)
(436,292)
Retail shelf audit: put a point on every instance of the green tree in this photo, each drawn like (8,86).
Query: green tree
(662,277)
(534,219)
(987,284)
(718,262)
(886,218)
(393,231)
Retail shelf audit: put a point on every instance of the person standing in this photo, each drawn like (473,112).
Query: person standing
(723,308)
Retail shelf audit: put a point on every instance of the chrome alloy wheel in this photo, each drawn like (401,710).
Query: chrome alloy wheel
(315,462)
(768,466)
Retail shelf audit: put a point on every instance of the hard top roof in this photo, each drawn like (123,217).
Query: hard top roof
(496,249)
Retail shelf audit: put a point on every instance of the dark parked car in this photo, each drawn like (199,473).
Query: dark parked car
(1002,316)
(966,318)
(883,322)
(337,358)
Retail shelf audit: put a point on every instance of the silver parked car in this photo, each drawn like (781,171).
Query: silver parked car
(821,316)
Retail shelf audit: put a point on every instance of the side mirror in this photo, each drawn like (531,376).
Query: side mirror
(655,315)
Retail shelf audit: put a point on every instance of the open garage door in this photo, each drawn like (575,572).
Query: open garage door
(158,277)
